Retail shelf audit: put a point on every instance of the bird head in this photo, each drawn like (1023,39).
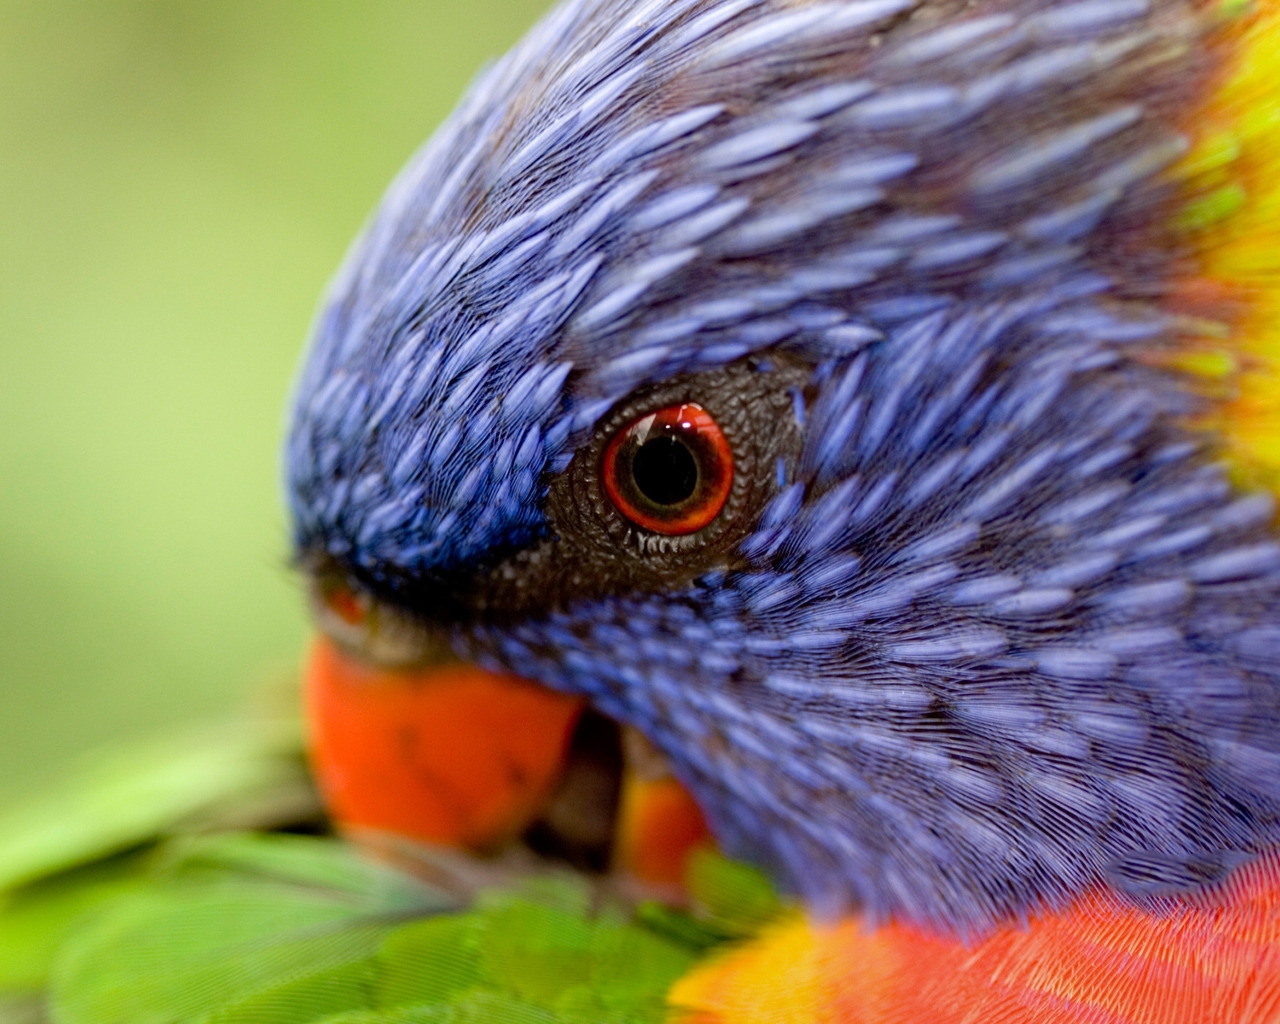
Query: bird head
(799,385)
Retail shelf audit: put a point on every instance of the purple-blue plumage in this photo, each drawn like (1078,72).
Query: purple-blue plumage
(995,624)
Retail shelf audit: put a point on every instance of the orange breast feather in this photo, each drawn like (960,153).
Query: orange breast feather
(1216,961)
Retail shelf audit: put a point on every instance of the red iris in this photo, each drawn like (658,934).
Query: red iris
(670,471)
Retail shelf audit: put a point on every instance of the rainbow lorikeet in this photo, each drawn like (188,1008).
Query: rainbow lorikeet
(843,430)
(871,405)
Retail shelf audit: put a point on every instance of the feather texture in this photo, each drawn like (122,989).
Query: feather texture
(1215,960)
(999,625)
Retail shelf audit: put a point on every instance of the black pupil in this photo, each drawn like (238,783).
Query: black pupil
(664,471)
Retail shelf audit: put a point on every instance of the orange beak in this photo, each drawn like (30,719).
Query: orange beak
(659,826)
(453,755)
(448,754)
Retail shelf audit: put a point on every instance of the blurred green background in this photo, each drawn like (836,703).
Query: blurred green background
(177,182)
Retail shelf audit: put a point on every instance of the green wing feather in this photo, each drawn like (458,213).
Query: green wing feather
(157,916)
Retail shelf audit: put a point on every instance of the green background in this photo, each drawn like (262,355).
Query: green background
(177,182)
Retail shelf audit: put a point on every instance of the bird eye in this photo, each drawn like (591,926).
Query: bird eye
(669,471)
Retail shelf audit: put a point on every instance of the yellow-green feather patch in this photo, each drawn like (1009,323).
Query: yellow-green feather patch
(1231,218)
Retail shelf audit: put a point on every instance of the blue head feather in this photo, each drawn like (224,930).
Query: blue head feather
(1005,630)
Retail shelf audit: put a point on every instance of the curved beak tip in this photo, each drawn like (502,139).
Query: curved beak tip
(448,754)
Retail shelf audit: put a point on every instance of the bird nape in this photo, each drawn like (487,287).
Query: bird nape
(866,402)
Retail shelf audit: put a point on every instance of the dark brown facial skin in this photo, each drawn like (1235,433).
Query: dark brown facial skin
(592,550)
(595,551)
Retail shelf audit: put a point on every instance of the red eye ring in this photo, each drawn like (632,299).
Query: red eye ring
(670,471)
